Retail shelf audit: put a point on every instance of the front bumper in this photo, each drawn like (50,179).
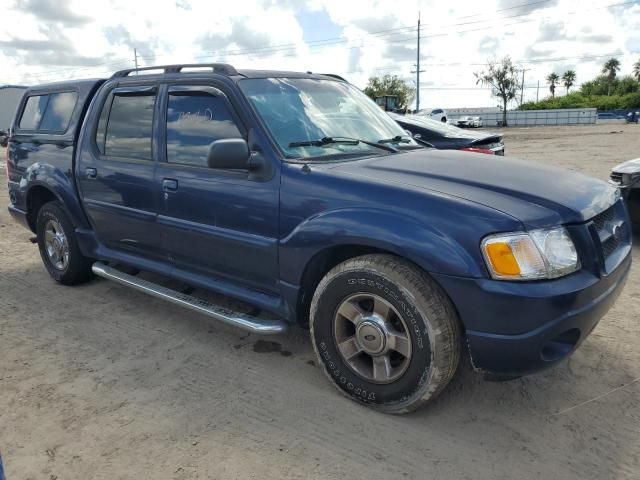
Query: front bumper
(518,328)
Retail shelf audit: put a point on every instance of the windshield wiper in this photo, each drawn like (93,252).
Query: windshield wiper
(340,141)
(396,139)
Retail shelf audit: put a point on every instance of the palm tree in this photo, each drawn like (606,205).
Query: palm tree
(569,78)
(636,70)
(552,79)
(610,68)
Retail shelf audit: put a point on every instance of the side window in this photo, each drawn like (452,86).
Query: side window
(33,111)
(129,126)
(58,112)
(194,121)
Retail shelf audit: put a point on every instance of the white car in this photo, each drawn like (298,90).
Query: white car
(469,122)
(435,113)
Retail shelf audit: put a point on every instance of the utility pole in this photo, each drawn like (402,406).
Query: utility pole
(417,70)
(135,59)
(538,91)
(522,86)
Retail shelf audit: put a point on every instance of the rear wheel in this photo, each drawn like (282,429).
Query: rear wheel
(58,246)
(385,333)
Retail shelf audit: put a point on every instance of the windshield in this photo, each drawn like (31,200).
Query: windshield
(300,111)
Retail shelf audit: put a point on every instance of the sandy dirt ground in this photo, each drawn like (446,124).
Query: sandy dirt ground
(100,382)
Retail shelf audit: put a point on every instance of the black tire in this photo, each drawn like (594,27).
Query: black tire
(433,331)
(77,267)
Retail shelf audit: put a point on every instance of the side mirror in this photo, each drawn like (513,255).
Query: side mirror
(230,153)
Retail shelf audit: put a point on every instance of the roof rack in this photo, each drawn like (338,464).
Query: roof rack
(334,76)
(221,68)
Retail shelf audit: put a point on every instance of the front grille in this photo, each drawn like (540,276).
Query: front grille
(600,220)
(611,229)
(610,245)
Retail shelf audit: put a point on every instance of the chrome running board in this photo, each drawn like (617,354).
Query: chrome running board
(236,319)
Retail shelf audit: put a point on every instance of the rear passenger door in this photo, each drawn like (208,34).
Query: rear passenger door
(116,171)
(219,223)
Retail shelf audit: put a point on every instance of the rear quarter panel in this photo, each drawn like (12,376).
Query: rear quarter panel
(45,159)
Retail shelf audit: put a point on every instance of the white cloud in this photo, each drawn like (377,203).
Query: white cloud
(45,40)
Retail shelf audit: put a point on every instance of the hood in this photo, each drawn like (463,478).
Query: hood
(536,194)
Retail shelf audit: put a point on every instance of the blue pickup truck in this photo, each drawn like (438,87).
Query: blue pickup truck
(296,194)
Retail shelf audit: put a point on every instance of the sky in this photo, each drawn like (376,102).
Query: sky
(50,40)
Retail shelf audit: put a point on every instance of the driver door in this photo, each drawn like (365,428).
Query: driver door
(216,222)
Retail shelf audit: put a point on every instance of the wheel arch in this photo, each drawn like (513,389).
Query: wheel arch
(46,183)
(37,196)
(322,242)
(319,265)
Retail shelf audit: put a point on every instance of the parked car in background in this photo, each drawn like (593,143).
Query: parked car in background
(632,117)
(610,116)
(627,176)
(463,122)
(435,113)
(469,122)
(448,137)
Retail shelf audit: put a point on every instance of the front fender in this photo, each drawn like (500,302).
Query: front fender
(57,182)
(425,245)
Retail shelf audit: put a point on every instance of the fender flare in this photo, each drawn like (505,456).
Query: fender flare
(60,185)
(397,233)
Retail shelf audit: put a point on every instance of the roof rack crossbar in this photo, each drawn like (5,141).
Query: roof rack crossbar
(221,68)
(334,76)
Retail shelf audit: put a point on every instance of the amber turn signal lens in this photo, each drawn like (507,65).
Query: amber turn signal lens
(502,259)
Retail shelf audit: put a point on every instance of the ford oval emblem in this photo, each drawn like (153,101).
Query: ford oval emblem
(616,231)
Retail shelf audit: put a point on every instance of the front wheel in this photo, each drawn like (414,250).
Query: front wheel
(58,246)
(385,333)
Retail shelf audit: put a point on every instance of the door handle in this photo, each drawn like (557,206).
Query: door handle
(169,185)
(91,172)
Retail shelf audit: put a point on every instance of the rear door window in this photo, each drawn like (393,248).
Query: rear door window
(129,126)
(58,112)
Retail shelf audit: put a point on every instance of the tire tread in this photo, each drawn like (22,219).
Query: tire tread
(428,296)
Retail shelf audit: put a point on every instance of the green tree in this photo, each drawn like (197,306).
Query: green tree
(597,86)
(636,70)
(568,79)
(610,69)
(552,80)
(391,85)
(502,77)
(626,84)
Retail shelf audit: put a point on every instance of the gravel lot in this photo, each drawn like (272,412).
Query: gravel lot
(98,381)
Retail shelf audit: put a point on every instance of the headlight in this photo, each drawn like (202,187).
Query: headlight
(533,255)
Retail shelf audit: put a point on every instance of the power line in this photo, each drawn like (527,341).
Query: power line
(338,40)
(404,39)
